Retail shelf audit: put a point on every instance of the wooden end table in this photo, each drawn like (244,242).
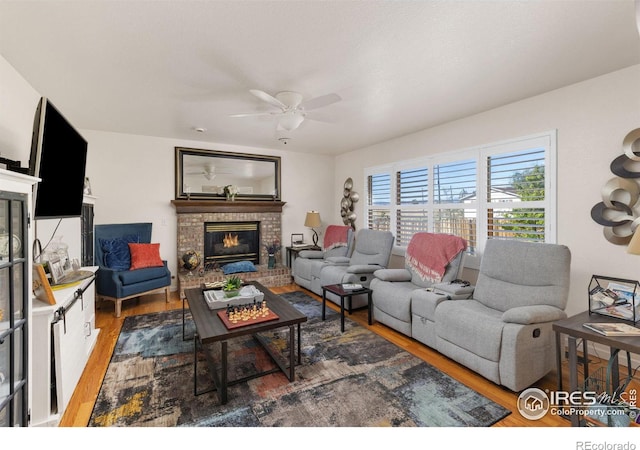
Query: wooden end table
(573,328)
(338,290)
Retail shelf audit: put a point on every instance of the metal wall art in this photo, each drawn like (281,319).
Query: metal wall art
(349,199)
(618,216)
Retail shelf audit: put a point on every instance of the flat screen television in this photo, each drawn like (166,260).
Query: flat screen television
(58,157)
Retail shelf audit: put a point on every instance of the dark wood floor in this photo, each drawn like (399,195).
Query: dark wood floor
(81,405)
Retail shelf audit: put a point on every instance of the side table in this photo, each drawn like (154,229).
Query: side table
(338,290)
(574,329)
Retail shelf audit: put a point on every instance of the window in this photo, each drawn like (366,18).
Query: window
(379,201)
(498,191)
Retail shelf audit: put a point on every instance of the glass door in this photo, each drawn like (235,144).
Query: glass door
(14,296)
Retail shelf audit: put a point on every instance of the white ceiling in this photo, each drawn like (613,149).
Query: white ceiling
(161,68)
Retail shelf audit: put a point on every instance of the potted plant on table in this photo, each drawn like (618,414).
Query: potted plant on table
(232,286)
(272,249)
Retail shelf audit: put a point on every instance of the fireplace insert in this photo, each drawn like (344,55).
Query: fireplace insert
(227,242)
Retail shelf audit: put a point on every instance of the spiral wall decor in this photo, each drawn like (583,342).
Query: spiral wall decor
(349,199)
(619,218)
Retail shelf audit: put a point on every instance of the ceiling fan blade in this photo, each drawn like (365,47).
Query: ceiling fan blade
(268,98)
(319,102)
(319,117)
(253,114)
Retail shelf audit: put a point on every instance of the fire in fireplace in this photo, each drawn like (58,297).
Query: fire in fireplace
(226,242)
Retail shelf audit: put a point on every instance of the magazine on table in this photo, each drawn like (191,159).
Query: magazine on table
(351,286)
(613,329)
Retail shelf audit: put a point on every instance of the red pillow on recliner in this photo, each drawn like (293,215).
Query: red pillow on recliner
(145,255)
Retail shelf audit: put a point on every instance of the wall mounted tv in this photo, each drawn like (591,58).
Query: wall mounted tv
(58,158)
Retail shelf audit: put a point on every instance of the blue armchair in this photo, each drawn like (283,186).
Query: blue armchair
(115,281)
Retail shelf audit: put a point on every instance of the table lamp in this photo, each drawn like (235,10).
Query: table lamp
(313,221)
(634,243)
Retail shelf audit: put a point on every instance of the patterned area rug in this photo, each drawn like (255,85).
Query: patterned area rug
(350,379)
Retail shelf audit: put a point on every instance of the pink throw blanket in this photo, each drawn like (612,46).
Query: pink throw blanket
(429,254)
(336,236)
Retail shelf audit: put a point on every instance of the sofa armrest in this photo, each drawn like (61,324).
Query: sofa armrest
(311,254)
(338,260)
(107,281)
(456,289)
(527,315)
(392,274)
(364,268)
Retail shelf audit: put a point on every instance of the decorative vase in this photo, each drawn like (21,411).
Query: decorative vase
(272,261)
(232,293)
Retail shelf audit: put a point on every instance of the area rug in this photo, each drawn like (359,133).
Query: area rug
(350,379)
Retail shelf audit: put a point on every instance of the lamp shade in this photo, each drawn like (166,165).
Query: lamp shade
(634,243)
(312,220)
(291,120)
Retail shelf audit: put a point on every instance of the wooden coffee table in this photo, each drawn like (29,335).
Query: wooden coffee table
(210,330)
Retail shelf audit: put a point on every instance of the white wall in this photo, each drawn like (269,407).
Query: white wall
(18,102)
(592,119)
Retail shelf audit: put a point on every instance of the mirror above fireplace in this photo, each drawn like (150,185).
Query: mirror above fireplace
(203,174)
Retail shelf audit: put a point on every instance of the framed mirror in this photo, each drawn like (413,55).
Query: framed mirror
(203,174)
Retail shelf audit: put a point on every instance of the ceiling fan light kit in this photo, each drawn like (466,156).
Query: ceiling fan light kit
(291,120)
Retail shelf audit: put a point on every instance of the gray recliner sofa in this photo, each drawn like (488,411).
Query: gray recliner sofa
(372,252)
(502,329)
(307,265)
(504,332)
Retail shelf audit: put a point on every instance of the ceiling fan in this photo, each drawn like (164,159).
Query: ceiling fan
(208,171)
(292,110)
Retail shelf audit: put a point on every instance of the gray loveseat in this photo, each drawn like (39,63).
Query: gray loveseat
(504,331)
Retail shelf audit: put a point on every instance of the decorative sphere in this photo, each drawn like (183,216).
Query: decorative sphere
(190,260)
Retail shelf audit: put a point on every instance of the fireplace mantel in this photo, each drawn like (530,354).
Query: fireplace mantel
(218,206)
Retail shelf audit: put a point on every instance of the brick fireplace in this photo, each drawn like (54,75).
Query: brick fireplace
(192,216)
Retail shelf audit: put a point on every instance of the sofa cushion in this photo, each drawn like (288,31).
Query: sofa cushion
(129,277)
(145,255)
(117,255)
(472,326)
(393,299)
(238,267)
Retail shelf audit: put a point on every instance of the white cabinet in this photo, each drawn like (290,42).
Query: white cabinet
(15,284)
(64,335)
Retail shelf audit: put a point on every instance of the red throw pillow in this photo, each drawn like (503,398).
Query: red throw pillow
(145,255)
